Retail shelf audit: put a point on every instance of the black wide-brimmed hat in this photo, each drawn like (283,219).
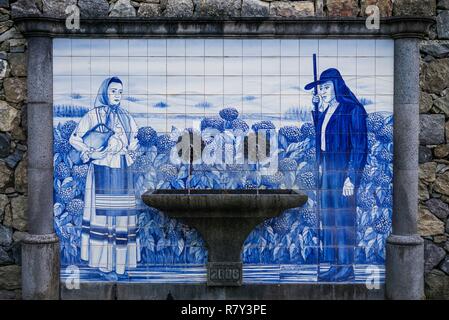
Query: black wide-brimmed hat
(327,75)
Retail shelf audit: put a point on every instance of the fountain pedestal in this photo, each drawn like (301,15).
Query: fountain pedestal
(224,218)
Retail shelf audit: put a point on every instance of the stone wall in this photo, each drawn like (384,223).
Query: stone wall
(434,134)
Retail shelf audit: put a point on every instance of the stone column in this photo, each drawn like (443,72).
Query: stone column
(40,251)
(405,250)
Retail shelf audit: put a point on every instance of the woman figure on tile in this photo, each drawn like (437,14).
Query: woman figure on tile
(105,137)
(342,150)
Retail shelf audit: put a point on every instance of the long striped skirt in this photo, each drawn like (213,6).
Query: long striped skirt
(109,225)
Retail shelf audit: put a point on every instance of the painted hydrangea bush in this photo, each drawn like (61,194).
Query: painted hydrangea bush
(291,238)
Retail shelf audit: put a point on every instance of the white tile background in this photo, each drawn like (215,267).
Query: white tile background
(201,76)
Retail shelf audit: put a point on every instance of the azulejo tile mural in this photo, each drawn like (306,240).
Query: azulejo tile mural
(120,107)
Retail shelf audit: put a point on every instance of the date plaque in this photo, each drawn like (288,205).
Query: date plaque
(224,274)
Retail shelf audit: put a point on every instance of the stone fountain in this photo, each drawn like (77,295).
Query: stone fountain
(224,218)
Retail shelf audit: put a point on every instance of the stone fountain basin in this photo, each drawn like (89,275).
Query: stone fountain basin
(224,218)
(223,203)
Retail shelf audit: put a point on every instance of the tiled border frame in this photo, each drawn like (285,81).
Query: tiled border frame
(405,253)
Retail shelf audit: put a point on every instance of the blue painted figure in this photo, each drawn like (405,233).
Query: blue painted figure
(105,137)
(342,149)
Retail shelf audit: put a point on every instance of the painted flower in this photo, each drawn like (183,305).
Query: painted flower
(308,130)
(67,129)
(371,140)
(80,171)
(146,136)
(212,123)
(263,125)
(382,225)
(309,217)
(374,121)
(250,184)
(229,114)
(280,225)
(385,135)
(164,143)
(385,155)
(66,192)
(366,200)
(388,201)
(287,164)
(62,171)
(273,180)
(238,124)
(382,180)
(307,180)
(62,146)
(75,206)
(291,133)
(168,172)
(309,154)
(143,163)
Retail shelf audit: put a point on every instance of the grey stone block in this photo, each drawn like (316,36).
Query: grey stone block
(406,70)
(5,142)
(40,268)
(414,7)
(24,8)
(217,8)
(437,285)
(443,24)
(438,208)
(5,259)
(433,255)
(177,8)
(436,49)
(434,76)
(56,8)
(255,8)
(40,135)
(149,10)
(122,8)
(40,201)
(89,291)
(292,9)
(405,201)
(318,291)
(443,4)
(404,268)
(5,236)
(445,265)
(405,136)
(425,154)
(431,129)
(93,8)
(40,70)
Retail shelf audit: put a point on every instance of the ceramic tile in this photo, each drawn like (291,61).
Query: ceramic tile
(194,47)
(157,66)
(119,48)
(138,48)
(62,47)
(81,47)
(157,47)
(252,47)
(233,47)
(174,84)
(290,66)
(290,47)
